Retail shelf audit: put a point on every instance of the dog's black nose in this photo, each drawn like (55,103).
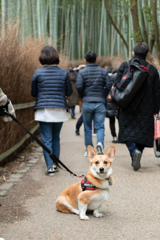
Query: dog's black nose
(101,169)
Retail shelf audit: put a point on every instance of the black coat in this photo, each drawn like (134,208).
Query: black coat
(138,127)
(111,108)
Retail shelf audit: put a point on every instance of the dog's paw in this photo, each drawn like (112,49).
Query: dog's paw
(85,217)
(97,214)
(111,180)
(76,211)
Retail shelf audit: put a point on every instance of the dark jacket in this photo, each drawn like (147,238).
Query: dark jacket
(111,108)
(73,99)
(93,83)
(138,127)
(50,86)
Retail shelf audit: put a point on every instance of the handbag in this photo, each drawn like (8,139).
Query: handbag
(157,127)
(157,136)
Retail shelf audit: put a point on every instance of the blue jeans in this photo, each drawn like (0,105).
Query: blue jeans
(134,146)
(96,111)
(72,111)
(50,134)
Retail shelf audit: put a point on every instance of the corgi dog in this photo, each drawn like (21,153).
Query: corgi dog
(91,192)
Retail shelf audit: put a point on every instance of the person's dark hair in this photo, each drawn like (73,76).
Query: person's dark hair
(90,56)
(49,55)
(71,70)
(114,70)
(141,48)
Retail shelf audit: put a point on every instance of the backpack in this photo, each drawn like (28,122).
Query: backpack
(133,78)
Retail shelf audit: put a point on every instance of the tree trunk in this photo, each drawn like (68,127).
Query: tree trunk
(144,25)
(66,31)
(136,27)
(155,26)
(51,20)
(3,10)
(114,24)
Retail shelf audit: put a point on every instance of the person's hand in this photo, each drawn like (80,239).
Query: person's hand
(7,118)
(3,98)
(81,66)
(6,104)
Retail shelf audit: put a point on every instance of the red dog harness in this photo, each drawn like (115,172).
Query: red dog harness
(86,185)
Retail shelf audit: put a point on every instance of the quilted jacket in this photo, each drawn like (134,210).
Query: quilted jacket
(138,127)
(93,83)
(50,86)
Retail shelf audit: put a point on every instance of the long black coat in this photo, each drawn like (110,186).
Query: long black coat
(112,109)
(138,127)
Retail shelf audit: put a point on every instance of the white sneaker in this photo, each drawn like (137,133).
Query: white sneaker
(115,140)
(55,168)
(85,154)
(99,148)
(157,154)
(94,134)
(50,171)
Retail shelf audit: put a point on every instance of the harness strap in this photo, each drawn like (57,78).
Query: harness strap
(52,156)
(86,185)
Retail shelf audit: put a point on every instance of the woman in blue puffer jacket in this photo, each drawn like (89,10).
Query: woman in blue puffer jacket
(50,85)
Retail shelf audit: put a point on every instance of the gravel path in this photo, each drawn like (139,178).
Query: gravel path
(27,211)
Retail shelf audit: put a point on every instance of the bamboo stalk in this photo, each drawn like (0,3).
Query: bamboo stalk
(3,15)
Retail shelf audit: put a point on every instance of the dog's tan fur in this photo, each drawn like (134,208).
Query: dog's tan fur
(74,200)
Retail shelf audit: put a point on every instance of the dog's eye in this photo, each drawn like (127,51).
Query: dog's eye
(105,162)
(97,162)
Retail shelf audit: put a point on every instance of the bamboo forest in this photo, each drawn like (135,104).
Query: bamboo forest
(109,27)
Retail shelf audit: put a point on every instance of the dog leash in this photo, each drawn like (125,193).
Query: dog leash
(52,156)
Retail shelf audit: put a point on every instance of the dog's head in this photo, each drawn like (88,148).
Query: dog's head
(101,165)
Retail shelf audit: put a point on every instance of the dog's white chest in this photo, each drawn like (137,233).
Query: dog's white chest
(98,199)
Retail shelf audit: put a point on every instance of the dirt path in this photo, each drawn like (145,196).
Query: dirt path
(28,211)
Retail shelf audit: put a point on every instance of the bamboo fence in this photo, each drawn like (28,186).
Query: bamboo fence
(13,137)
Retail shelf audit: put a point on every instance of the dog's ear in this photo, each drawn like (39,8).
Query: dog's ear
(111,153)
(91,153)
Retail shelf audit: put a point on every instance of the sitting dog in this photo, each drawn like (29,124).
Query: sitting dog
(93,190)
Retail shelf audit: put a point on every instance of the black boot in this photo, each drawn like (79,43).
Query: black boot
(77,131)
(136,158)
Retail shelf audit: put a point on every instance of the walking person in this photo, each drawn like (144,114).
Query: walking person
(79,124)
(136,129)
(112,110)
(93,85)
(74,98)
(50,85)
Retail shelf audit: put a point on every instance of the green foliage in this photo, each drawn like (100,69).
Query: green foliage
(136,36)
(74,26)
(147,13)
